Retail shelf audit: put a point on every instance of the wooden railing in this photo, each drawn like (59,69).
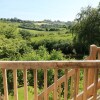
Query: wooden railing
(74,65)
(71,78)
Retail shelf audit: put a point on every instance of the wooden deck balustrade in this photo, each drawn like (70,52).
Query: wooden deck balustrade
(70,81)
(35,65)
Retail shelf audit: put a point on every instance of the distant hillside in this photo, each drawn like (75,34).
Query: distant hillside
(50,22)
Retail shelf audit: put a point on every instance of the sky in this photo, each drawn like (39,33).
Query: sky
(63,10)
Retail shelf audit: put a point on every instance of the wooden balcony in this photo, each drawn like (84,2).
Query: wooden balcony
(72,69)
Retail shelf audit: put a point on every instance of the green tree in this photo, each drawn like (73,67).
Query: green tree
(87,28)
(9,30)
(43,53)
(56,55)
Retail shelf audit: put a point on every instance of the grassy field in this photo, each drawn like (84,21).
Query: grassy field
(50,35)
(30,94)
(21,93)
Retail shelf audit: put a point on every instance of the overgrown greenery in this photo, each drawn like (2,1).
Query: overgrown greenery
(87,29)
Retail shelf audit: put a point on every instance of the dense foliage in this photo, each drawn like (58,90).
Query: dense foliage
(87,28)
(15,43)
(25,43)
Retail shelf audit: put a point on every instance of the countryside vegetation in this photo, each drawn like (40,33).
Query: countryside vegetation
(27,40)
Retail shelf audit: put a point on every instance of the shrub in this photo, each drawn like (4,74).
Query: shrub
(56,55)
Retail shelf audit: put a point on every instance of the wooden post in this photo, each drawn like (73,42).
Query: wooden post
(92,56)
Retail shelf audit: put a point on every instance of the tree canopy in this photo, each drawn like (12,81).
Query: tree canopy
(87,27)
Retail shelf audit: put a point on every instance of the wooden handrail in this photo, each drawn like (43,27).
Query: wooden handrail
(49,64)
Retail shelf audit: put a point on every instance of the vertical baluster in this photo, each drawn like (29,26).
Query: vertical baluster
(25,85)
(55,84)
(85,84)
(78,79)
(35,85)
(71,87)
(45,84)
(66,85)
(75,84)
(95,84)
(5,84)
(15,84)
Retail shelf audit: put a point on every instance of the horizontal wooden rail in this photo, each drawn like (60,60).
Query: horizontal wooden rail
(49,64)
